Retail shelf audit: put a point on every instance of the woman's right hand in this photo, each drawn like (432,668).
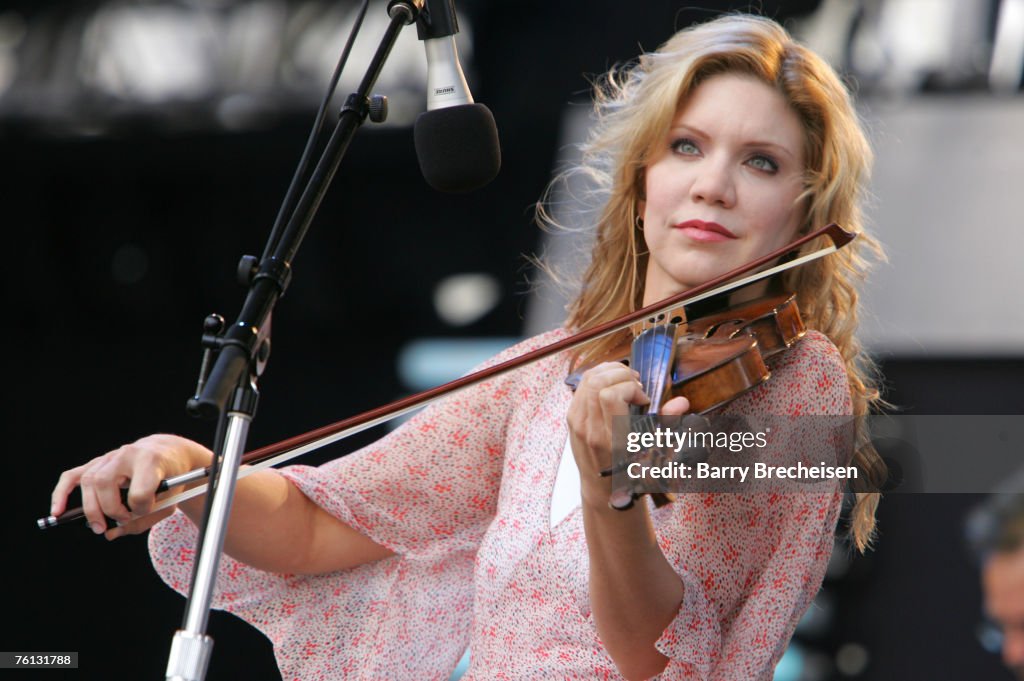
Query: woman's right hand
(139,467)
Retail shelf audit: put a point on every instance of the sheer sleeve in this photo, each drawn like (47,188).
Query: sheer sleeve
(427,491)
(751,563)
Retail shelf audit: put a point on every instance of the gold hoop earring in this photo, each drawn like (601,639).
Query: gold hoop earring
(639,222)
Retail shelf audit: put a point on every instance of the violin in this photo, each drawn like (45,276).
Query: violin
(710,361)
(723,337)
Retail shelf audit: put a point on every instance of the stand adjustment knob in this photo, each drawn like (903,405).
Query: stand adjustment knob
(378,108)
(247,268)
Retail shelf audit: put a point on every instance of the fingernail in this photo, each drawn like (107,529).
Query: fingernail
(53,509)
(97,528)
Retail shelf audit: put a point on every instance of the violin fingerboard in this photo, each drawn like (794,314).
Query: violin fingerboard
(652,355)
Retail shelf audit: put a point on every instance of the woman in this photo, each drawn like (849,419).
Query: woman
(728,142)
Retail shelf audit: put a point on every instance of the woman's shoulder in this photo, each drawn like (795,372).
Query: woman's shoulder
(815,349)
(525,345)
(542,339)
(531,373)
(808,378)
(528,345)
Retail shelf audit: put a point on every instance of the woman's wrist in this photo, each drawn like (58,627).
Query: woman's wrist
(196,456)
(595,491)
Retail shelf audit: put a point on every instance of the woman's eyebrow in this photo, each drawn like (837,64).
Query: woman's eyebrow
(692,129)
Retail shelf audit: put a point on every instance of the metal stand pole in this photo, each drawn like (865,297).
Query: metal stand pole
(241,352)
(191,647)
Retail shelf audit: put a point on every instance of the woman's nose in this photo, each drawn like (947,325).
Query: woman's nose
(713,184)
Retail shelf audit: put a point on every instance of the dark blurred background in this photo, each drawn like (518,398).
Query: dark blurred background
(145,146)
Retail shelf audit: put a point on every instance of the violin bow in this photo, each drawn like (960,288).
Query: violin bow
(280,452)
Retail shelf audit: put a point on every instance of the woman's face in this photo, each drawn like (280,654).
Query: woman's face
(723,188)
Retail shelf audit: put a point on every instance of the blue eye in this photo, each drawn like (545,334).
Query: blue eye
(685,146)
(761,162)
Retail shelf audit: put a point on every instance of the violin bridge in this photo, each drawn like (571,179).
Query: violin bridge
(675,315)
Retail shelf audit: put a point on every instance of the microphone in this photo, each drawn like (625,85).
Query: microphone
(456,139)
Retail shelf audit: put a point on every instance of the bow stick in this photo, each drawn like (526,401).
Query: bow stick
(286,450)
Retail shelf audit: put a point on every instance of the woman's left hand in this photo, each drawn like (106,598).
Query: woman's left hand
(604,392)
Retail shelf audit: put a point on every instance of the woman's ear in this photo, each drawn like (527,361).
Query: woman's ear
(640,193)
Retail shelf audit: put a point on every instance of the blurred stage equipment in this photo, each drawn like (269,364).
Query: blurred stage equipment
(102,67)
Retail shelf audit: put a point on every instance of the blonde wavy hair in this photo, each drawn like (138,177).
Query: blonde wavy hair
(634,108)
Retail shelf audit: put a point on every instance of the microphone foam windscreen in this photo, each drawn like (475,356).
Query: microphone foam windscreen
(457,147)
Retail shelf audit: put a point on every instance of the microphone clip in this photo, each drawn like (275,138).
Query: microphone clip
(437,20)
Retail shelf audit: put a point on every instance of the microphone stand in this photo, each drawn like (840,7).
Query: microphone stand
(228,391)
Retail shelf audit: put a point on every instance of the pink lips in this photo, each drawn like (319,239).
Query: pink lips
(698,230)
